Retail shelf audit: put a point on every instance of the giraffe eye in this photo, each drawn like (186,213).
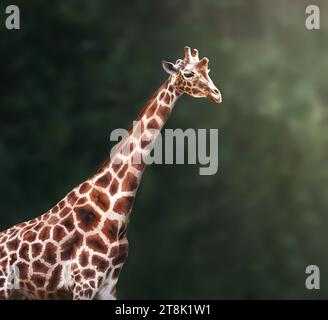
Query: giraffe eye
(188,74)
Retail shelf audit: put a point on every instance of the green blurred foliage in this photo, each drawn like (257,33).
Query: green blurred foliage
(78,69)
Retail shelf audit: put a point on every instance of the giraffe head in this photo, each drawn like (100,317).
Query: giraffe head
(191,76)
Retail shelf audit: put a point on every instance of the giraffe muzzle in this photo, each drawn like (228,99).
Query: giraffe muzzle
(215,96)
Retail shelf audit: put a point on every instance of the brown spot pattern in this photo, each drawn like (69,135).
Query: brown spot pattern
(85,187)
(53,220)
(116,272)
(23,270)
(71,198)
(138,166)
(29,236)
(123,205)
(87,218)
(12,244)
(144,143)
(130,182)
(167,98)
(110,230)
(44,233)
(66,211)
(122,254)
(97,244)
(36,249)
(151,109)
(100,199)
(163,113)
(81,201)
(113,187)
(104,180)
(54,278)
(152,124)
(49,254)
(23,251)
(88,273)
(38,266)
(38,280)
(100,263)
(122,171)
(68,223)
(71,245)
(84,258)
(59,233)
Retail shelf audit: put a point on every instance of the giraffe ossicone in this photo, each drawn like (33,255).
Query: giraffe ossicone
(79,246)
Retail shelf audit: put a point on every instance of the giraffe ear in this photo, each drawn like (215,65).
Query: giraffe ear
(169,67)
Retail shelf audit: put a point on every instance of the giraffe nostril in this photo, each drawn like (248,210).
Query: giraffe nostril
(216,91)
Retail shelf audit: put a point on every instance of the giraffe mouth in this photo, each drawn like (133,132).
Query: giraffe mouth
(215,97)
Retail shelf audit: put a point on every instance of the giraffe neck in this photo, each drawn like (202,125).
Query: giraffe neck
(125,167)
(142,134)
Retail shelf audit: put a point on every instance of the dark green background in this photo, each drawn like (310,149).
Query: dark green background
(78,69)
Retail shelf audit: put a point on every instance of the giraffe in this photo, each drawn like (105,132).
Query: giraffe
(78,247)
